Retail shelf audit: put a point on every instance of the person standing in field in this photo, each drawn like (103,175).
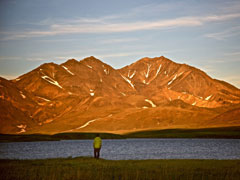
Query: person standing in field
(97,144)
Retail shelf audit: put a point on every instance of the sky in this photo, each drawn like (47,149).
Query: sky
(204,34)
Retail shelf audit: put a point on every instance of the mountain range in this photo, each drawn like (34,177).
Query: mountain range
(89,96)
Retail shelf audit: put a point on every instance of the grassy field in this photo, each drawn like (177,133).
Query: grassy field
(89,168)
(228,132)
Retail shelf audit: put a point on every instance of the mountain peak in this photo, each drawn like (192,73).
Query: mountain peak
(93,61)
(90,58)
(70,62)
(154,58)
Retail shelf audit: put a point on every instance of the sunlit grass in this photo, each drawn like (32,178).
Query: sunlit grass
(89,168)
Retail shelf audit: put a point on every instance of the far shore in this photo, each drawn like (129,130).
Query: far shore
(223,133)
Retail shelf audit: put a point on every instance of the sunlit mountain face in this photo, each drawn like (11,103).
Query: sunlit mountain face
(89,96)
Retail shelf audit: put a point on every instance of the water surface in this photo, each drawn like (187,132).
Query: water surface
(126,149)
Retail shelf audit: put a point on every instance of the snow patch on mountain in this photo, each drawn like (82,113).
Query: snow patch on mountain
(68,70)
(158,70)
(23,96)
(91,121)
(131,76)
(92,92)
(150,102)
(106,71)
(180,73)
(89,66)
(44,99)
(123,94)
(148,70)
(86,124)
(144,82)
(129,81)
(50,80)
(22,128)
(170,82)
(207,98)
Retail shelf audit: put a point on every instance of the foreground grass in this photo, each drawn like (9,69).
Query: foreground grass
(89,168)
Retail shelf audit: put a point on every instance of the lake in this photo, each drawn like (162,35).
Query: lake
(126,149)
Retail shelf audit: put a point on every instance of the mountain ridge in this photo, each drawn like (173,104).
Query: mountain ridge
(89,95)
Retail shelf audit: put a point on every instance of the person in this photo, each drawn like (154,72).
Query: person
(97,144)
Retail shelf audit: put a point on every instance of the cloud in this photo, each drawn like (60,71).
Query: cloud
(133,53)
(237,53)
(222,60)
(119,40)
(7,58)
(49,58)
(231,32)
(116,55)
(104,26)
(230,6)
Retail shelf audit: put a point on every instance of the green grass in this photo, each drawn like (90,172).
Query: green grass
(228,132)
(89,168)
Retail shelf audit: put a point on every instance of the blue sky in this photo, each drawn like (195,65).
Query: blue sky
(204,34)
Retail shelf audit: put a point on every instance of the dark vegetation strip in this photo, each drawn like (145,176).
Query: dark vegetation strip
(227,133)
(89,168)
(55,137)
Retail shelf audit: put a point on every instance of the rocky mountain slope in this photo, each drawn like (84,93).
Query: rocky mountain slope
(89,95)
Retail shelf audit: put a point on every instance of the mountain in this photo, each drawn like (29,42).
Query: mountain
(16,108)
(179,81)
(89,95)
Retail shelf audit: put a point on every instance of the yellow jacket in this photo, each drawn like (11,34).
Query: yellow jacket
(97,143)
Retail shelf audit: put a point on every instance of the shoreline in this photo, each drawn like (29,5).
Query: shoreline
(208,133)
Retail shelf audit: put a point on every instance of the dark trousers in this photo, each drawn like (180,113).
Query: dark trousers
(96,152)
